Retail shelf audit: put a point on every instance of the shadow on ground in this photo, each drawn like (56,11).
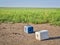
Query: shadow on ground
(52,38)
(32,33)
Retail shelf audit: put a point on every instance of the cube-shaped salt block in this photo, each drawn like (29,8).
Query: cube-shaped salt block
(28,29)
(41,35)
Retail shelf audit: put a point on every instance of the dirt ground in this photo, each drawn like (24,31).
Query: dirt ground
(13,34)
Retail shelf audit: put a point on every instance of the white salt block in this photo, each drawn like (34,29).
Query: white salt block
(41,35)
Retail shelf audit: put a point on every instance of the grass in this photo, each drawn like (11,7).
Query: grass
(30,15)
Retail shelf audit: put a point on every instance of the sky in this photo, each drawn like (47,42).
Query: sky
(30,3)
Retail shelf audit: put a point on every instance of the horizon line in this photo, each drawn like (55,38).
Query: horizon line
(29,7)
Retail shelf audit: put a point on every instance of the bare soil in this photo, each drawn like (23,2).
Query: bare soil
(13,34)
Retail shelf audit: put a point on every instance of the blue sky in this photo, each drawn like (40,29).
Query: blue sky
(30,3)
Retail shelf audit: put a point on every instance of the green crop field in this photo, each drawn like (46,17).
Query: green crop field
(30,15)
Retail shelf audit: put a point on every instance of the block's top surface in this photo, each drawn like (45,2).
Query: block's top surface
(43,31)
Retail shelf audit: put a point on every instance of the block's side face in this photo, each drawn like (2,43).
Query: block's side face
(30,29)
(26,29)
(37,35)
(40,36)
(44,35)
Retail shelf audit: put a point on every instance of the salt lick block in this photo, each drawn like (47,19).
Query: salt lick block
(28,29)
(42,35)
